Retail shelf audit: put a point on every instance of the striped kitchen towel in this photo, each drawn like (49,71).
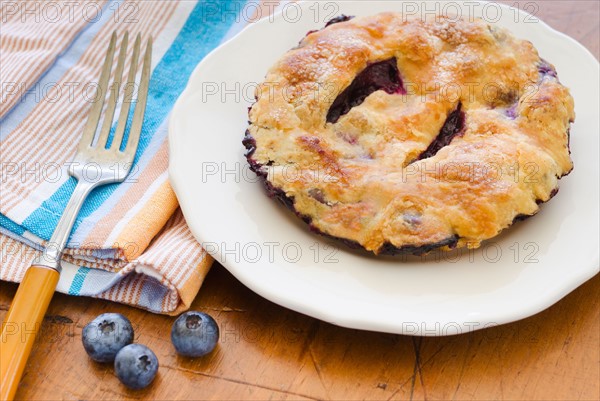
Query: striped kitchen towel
(130,242)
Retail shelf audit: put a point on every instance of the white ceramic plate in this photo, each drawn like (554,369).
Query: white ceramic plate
(525,270)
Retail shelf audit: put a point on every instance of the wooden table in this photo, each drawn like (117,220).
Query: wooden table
(268,352)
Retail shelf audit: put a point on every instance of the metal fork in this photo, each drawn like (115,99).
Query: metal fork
(33,296)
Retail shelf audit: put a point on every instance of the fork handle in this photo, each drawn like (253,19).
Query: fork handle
(22,324)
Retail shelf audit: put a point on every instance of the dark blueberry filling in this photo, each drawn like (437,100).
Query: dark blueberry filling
(340,18)
(317,195)
(249,143)
(453,126)
(521,217)
(382,75)
(552,195)
(389,249)
(287,201)
(280,195)
(545,68)
(511,112)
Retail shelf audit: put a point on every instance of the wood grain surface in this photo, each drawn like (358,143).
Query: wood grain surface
(267,352)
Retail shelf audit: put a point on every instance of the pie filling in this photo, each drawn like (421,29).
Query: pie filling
(453,126)
(545,68)
(383,75)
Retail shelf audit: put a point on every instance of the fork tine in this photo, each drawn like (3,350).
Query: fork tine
(114,94)
(96,110)
(127,98)
(140,107)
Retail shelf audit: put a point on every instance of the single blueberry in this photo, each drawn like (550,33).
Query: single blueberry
(104,336)
(136,366)
(194,334)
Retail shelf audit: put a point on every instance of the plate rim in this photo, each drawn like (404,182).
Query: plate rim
(534,306)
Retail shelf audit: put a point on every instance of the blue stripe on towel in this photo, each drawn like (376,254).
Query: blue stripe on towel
(78,280)
(10,225)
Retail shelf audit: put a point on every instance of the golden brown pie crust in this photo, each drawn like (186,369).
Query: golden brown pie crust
(363,177)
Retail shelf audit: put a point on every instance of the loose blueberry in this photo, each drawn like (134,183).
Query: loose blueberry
(136,366)
(194,334)
(104,336)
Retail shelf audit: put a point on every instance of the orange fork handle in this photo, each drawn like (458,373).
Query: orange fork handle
(22,324)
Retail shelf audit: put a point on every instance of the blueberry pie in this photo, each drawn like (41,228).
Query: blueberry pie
(403,136)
